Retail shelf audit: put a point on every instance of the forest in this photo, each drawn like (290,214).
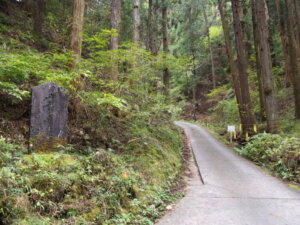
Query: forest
(131,68)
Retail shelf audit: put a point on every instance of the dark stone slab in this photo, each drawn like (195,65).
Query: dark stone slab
(49,117)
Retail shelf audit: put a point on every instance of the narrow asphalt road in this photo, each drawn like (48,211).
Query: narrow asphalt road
(235,191)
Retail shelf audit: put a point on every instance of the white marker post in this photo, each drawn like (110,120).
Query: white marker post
(231,130)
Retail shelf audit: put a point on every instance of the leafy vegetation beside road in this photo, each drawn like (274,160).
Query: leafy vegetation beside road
(94,186)
(124,153)
(279,154)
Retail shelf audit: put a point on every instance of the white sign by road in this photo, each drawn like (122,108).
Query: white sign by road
(231,129)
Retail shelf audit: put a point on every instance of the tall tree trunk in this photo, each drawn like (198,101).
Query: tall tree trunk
(248,119)
(136,21)
(284,41)
(247,31)
(77,28)
(297,19)
(115,22)
(258,65)
(261,17)
(155,28)
(213,74)
(294,52)
(149,27)
(114,40)
(166,72)
(233,69)
(194,84)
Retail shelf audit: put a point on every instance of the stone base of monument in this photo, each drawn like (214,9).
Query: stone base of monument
(42,143)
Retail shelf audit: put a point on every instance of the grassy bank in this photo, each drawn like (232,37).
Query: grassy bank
(124,153)
(98,187)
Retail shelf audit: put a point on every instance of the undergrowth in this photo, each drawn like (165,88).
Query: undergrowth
(279,154)
(102,187)
(124,152)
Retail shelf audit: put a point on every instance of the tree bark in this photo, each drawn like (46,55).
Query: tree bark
(136,21)
(149,26)
(77,29)
(284,41)
(258,65)
(294,52)
(114,40)
(155,28)
(261,17)
(246,32)
(115,22)
(166,72)
(248,119)
(297,20)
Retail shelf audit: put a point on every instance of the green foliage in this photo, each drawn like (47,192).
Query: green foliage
(226,111)
(277,153)
(219,93)
(225,108)
(13,73)
(9,152)
(13,91)
(97,99)
(99,187)
(214,32)
(100,40)
(125,153)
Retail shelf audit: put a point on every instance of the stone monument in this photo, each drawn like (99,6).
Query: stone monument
(49,117)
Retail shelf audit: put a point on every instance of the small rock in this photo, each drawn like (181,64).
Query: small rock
(169,207)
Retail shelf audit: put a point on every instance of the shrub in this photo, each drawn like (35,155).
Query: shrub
(100,187)
(279,154)
(12,91)
(9,152)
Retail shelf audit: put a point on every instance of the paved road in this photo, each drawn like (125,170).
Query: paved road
(235,191)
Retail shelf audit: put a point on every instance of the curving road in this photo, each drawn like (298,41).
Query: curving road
(235,191)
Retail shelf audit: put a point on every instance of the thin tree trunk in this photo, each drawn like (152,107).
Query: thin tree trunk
(155,28)
(194,83)
(77,28)
(294,54)
(297,20)
(166,72)
(149,26)
(248,119)
(284,41)
(261,17)
(136,21)
(213,74)
(115,22)
(114,40)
